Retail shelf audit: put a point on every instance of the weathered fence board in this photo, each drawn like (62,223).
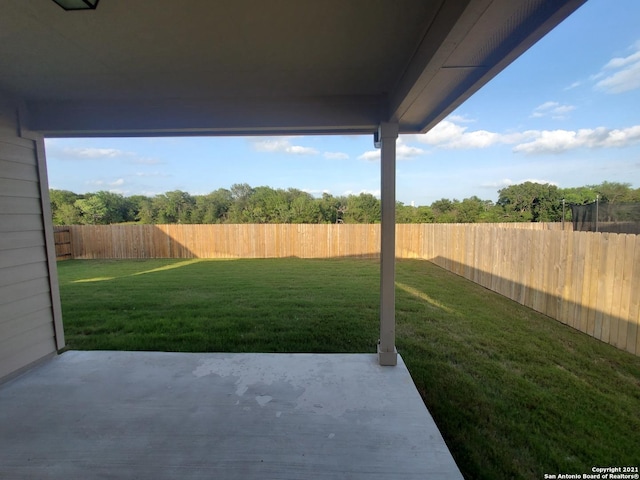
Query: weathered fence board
(62,240)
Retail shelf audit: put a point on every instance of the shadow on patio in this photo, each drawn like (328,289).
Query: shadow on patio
(152,415)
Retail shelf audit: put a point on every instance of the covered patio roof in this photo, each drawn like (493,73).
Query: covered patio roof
(258,67)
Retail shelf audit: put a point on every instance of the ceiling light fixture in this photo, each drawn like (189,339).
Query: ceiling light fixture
(78,4)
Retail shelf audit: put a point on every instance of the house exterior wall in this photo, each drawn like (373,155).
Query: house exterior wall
(29,300)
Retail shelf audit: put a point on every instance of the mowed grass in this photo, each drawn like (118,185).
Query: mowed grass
(514,393)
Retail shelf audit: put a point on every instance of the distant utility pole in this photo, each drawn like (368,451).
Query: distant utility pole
(563,214)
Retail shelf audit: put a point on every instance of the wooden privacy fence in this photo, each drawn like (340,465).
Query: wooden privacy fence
(224,241)
(590,281)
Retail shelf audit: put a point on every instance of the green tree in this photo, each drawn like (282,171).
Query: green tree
(240,195)
(118,208)
(531,202)
(445,210)
(470,210)
(363,208)
(405,213)
(411,214)
(67,214)
(63,209)
(266,205)
(213,207)
(93,210)
(578,195)
(613,192)
(424,214)
(332,208)
(491,213)
(174,207)
(304,208)
(142,209)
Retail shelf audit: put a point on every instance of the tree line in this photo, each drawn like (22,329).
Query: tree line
(525,202)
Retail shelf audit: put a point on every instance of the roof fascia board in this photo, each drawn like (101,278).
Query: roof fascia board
(522,39)
(446,31)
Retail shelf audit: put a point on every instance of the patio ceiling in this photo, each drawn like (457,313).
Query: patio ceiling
(247,66)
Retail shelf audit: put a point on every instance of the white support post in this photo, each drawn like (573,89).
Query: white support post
(387,353)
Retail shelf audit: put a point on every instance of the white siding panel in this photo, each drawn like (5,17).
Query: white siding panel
(19,206)
(20,290)
(27,332)
(20,223)
(18,171)
(20,326)
(20,308)
(21,256)
(21,239)
(18,150)
(32,352)
(19,188)
(22,273)
(14,345)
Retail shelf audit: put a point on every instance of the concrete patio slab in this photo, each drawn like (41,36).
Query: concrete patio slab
(153,415)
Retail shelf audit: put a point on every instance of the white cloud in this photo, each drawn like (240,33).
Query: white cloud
(553,110)
(558,141)
(541,182)
(449,135)
(403,152)
(335,156)
(375,193)
(573,85)
(621,74)
(116,183)
(371,155)
(93,152)
(505,182)
(445,132)
(99,154)
(282,145)
(460,119)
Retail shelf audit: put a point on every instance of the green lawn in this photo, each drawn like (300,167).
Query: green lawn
(514,393)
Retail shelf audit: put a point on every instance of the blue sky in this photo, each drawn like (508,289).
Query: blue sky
(566,112)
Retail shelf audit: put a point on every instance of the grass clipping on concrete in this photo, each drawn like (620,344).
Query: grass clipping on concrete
(514,393)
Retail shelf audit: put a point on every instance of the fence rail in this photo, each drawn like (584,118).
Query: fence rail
(589,281)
